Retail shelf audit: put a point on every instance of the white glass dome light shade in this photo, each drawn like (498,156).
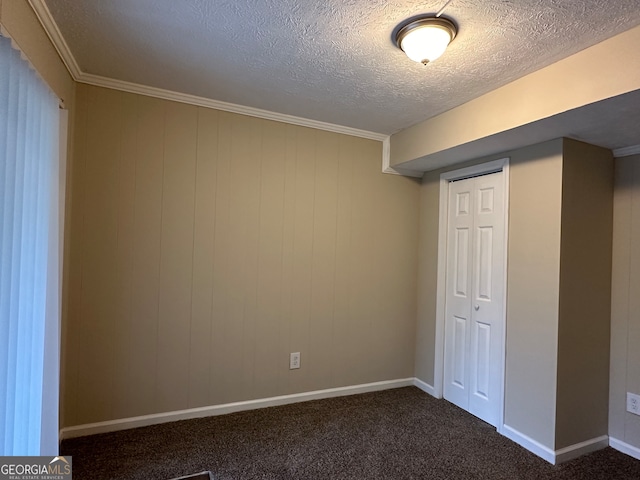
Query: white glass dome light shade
(425,44)
(426,39)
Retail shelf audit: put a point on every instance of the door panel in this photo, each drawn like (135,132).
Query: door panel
(462,263)
(459,354)
(463,203)
(474,320)
(458,294)
(485,205)
(484,260)
(483,335)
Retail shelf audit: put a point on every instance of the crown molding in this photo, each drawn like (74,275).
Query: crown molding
(130,87)
(386,162)
(627,151)
(51,28)
(53,32)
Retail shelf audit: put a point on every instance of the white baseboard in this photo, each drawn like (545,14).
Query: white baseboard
(624,447)
(425,387)
(558,456)
(529,443)
(145,420)
(582,448)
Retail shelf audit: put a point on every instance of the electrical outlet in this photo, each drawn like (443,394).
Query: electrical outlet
(294,361)
(633,403)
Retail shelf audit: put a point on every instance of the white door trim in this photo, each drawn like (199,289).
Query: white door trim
(445,178)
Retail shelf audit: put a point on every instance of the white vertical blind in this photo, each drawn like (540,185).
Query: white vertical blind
(29,151)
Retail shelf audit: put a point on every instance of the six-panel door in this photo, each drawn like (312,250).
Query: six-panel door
(474,309)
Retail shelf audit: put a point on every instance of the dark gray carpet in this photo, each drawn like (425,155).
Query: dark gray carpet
(394,434)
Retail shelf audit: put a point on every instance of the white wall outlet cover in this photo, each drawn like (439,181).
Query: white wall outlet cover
(294,360)
(633,403)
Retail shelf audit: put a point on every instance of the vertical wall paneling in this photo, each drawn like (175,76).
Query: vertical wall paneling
(176,256)
(343,329)
(146,254)
(302,255)
(625,323)
(214,244)
(321,320)
(223,353)
(287,378)
(270,354)
(200,354)
(365,295)
(124,351)
(75,236)
(632,422)
(364,238)
(245,214)
(100,232)
(232,330)
(399,221)
(622,221)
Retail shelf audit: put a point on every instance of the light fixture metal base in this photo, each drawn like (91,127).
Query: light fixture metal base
(423,21)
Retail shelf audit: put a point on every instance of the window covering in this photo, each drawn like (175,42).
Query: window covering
(29,251)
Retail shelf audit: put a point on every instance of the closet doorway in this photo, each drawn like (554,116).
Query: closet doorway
(472,288)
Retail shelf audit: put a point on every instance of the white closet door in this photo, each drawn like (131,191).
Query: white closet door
(474,295)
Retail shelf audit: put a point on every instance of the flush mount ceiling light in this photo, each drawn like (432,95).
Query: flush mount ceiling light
(425,38)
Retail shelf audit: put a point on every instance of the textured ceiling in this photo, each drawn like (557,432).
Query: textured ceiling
(329,60)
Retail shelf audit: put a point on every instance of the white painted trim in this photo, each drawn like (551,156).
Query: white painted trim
(445,178)
(224,106)
(5,33)
(438,364)
(624,448)
(145,420)
(529,443)
(123,86)
(386,162)
(53,32)
(627,151)
(582,448)
(503,359)
(386,156)
(424,386)
(557,456)
(474,170)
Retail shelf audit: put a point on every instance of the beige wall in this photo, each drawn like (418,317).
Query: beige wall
(559,264)
(585,294)
(533,269)
(625,301)
(207,246)
(21,23)
(427,277)
(532,290)
(565,85)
